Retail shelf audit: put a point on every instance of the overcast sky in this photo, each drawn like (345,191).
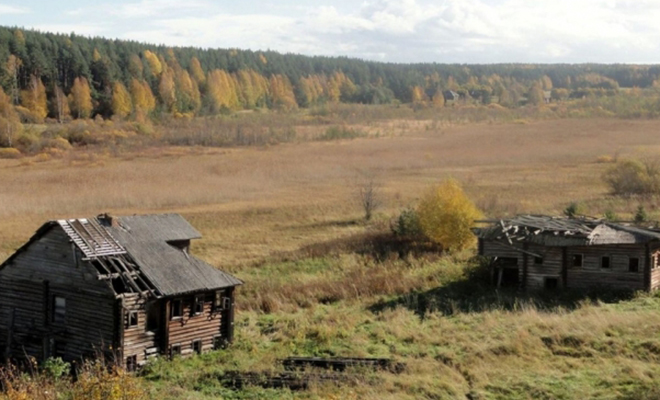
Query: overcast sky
(444,31)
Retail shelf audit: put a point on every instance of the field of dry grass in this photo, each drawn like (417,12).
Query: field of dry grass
(252,202)
(269,213)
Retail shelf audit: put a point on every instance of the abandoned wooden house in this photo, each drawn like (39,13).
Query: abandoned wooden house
(124,287)
(548,252)
(451,97)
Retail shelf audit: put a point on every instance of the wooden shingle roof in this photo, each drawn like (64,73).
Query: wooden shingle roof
(562,231)
(172,271)
(142,248)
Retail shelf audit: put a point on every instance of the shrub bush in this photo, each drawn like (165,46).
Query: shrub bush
(55,368)
(9,152)
(407,225)
(610,215)
(641,215)
(630,177)
(340,132)
(447,215)
(573,210)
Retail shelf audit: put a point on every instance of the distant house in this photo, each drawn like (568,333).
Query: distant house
(547,252)
(126,287)
(451,96)
(547,96)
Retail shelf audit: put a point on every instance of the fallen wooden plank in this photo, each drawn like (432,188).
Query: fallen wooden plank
(287,379)
(340,364)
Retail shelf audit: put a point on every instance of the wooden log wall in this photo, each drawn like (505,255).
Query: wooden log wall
(504,249)
(590,274)
(189,327)
(550,266)
(137,341)
(655,269)
(47,268)
(616,276)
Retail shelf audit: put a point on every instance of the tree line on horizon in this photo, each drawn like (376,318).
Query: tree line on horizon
(59,76)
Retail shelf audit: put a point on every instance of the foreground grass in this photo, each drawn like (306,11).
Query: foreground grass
(283,219)
(501,346)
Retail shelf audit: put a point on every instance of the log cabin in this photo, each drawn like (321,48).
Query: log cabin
(120,287)
(537,252)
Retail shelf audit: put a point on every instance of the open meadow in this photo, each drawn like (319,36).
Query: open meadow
(285,219)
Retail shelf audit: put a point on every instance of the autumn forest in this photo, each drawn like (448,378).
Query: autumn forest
(69,76)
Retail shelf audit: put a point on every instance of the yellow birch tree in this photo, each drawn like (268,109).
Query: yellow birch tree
(446,216)
(10,124)
(122,105)
(80,98)
(34,98)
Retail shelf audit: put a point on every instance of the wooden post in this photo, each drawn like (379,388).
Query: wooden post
(523,284)
(165,326)
(647,268)
(46,302)
(564,267)
(499,276)
(230,322)
(10,334)
(119,338)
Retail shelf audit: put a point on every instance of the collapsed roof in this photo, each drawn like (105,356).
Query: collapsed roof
(148,239)
(562,231)
(141,253)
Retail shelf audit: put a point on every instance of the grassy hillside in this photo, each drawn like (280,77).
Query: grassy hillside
(458,337)
(284,219)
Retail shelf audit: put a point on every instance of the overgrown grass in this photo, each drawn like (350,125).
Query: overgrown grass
(341,132)
(94,380)
(281,218)
(481,344)
(263,127)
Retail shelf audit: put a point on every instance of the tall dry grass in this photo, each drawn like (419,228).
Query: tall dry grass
(94,381)
(252,202)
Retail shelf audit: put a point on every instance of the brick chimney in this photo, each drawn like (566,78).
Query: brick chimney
(108,220)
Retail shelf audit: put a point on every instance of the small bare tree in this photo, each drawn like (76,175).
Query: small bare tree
(369,197)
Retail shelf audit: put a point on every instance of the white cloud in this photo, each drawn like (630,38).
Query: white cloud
(151,8)
(74,13)
(7,10)
(222,30)
(79,29)
(397,30)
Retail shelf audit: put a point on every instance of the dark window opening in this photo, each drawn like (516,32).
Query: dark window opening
(509,277)
(59,309)
(217,302)
(633,264)
(551,283)
(175,350)
(226,303)
(605,262)
(508,262)
(199,305)
(577,260)
(153,317)
(131,363)
(177,309)
(538,260)
(197,346)
(131,319)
